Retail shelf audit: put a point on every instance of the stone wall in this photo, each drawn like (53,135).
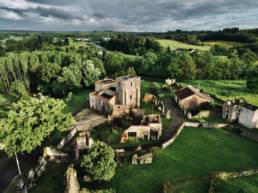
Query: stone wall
(248,118)
(227,176)
(173,137)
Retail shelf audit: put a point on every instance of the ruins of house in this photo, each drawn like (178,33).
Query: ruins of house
(124,91)
(144,159)
(242,112)
(191,100)
(149,129)
(82,142)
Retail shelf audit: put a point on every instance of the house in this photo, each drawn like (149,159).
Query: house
(149,129)
(191,100)
(124,91)
(242,112)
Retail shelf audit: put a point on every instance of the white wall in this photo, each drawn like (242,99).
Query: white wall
(248,118)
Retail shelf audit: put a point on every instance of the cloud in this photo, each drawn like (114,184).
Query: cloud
(8,14)
(129,15)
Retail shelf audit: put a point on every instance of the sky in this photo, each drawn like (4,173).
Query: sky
(127,15)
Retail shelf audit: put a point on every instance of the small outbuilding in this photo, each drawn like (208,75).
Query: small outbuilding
(191,100)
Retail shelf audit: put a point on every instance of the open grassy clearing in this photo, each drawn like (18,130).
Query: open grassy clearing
(173,44)
(195,153)
(226,89)
(228,44)
(241,184)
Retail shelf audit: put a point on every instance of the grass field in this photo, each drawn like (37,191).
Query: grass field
(173,44)
(225,89)
(188,161)
(228,44)
(241,184)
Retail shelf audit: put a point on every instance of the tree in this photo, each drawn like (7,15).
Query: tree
(131,71)
(188,66)
(99,163)
(252,80)
(90,73)
(18,89)
(49,71)
(29,122)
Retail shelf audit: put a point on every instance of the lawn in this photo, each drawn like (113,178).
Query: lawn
(195,154)
(226,89)
(173,44)
(228,44)
(241,184)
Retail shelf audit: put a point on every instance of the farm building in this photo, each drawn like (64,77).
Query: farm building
(124,91)
(150,129)
(191,100)
(242,112)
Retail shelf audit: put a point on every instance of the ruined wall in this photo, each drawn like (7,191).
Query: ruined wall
(99,86)
(99,103)
(248,118)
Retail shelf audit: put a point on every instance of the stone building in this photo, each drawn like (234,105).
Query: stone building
(191,100)
(143,159)
(128,91)
(242,112)
(149,129)
(123,91)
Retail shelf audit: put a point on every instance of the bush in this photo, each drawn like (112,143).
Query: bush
(99,163)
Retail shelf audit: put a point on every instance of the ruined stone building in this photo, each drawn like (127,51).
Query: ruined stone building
(149,129)
(123,91)
(242,112)
(142,159)
(191,100)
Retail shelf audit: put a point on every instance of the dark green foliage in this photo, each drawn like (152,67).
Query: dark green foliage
(132,44)
(252,80)
(99,162)
(51,72)
(30,121)
(18,89)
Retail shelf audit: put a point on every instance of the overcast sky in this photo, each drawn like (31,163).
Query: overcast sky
(127,15)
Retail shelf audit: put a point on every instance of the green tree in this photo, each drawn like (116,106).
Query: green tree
(90,73)
(18,89)
(49,72)
(188,66)
(99,163)
(29,122)
(131,71)
(252,80)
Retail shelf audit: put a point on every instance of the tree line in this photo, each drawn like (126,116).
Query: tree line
(53,73)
